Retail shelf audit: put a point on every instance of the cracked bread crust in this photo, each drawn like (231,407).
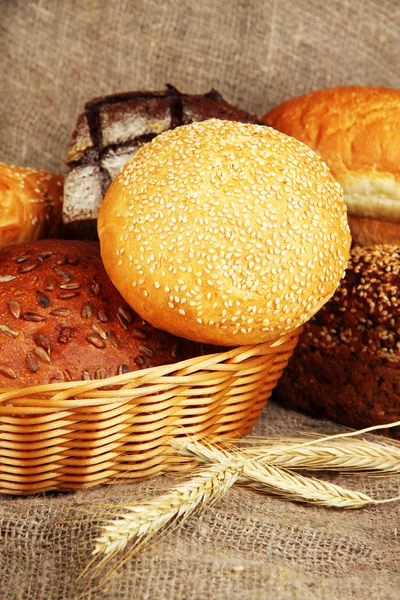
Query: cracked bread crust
(112,129)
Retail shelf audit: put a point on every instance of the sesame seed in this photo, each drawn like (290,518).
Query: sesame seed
(240,223)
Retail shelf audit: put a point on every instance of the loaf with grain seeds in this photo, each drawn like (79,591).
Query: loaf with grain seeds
(346,366)
(62,319)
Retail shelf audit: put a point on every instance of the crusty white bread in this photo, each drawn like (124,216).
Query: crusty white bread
(30,204)
(355,130)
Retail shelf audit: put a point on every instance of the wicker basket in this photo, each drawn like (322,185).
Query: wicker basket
(77,434)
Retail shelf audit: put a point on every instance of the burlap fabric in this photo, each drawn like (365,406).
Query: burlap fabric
(57,54)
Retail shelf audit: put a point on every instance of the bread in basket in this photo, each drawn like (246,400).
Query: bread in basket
(248,283)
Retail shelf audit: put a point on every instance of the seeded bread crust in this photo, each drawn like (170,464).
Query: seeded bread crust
(225,233)
(62,319)
(346,366)
(112,129)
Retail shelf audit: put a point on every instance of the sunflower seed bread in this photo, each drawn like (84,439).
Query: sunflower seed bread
(111,130)
(61,319)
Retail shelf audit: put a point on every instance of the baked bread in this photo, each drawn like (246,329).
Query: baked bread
(30,204)
(111,130)
(346,366)
(62,319)
(224,232)
(355,130)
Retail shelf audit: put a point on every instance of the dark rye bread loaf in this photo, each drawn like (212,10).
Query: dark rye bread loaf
(111,130)
(346,366)
(62,319)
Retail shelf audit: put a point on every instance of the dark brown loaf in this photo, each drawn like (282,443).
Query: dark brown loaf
(62,319)
(111,130)
(346,366)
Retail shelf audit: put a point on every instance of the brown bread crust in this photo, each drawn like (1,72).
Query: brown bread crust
(111,130)
(366,231)
(62,319)
(346,366)
(353,128)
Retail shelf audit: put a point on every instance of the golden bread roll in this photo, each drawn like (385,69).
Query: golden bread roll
(30,204)
(346,366)
(355,130)
(225,233)
(62,319)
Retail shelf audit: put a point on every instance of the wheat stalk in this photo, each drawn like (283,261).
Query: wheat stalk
(144,520)
(302,489)
(262,467)
(346,455)
(262,476)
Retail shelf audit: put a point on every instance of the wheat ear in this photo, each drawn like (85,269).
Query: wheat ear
(347,455)
(142,521)
(265,477)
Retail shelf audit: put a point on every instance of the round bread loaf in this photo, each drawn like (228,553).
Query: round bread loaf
(346,366)
(225,233)
(355,130)
(62,319)
(30,204)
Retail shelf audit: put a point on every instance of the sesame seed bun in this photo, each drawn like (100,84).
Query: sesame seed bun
(225,233)
(354,129)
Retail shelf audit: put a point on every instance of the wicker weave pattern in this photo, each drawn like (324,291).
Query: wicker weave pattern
(77,434)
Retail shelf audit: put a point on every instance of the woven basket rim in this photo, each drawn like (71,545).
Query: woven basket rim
(130,384)
(77,434)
